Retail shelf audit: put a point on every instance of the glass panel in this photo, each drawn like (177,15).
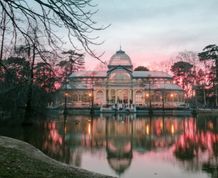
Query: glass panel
(119,75)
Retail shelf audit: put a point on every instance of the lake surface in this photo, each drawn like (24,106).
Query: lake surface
(127,146)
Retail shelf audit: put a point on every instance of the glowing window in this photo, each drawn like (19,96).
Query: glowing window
(139,97)
(99,97)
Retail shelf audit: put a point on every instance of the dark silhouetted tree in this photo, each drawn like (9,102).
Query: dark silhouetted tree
(70,63)
(141,68)
(210,53)
(183,76)
(44,77)
(192,58)
(13,84)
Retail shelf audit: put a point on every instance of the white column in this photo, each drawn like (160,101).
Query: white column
(133,97)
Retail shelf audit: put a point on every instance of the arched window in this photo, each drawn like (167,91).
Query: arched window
(99,97)
(125,96)
(75,97)
(85,97)
(113,96)
(157,97)
(139,97)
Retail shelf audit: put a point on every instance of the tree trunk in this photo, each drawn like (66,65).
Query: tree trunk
(216,66)
(216,82)
(205,102)
(3,35)
(216,99)
(28,109)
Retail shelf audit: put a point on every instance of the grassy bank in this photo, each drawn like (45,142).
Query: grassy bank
(19,159)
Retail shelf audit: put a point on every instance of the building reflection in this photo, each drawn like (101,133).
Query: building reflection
(194,142)
(119,143)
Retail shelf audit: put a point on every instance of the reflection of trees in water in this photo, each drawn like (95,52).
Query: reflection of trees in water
(53,143)
(197,147)
(64,140)
(211,169)
(185,148)
(186,152)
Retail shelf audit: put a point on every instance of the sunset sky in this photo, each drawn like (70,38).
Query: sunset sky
(153,30)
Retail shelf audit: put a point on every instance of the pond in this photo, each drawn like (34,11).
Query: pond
(128,145)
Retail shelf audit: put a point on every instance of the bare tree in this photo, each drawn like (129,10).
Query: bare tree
(190,57)
(71,62)
(101,66)
(187,56)
(52,17)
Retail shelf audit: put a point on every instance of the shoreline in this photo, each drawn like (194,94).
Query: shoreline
(20,159)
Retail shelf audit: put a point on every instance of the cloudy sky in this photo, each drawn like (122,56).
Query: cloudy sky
(155,30)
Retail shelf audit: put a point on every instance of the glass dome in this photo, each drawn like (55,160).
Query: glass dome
(120,58)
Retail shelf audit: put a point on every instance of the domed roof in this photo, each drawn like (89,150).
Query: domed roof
(120,58)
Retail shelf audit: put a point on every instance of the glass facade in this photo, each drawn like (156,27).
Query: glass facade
(120,85)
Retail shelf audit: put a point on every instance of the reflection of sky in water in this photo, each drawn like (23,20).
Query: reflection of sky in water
(154,164)
(136,147)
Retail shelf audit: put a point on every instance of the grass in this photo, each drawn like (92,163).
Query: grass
(21,160)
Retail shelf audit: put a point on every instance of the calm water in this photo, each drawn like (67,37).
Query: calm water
(129,146)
